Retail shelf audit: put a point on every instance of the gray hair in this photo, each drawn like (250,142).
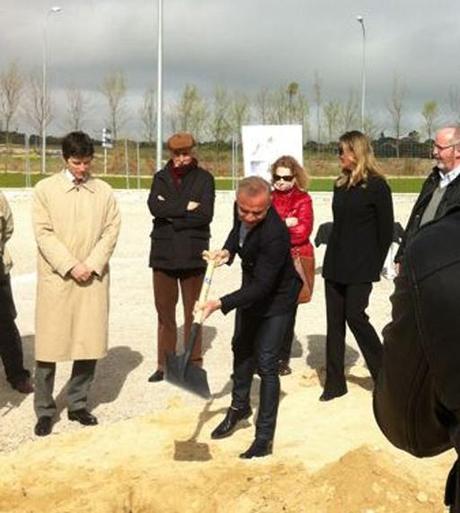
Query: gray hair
(253,186)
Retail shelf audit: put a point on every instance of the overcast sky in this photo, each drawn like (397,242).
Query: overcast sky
(243,45)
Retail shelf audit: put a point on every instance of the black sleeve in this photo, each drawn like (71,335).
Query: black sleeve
(271,260)
(203,214)
(167,207)
(385,218)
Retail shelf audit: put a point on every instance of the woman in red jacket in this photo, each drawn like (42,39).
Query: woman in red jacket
(294,206)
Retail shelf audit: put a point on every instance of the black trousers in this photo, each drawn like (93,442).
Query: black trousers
(285,353)
(348,303)
(10,339)
(256,347)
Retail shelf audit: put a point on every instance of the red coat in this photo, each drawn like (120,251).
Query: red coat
(296,203)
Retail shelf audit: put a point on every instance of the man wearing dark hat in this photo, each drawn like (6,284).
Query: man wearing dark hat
(181,202)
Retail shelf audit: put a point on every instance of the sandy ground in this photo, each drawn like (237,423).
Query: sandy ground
(152,451)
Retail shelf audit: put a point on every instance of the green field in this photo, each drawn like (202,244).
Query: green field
(317,184)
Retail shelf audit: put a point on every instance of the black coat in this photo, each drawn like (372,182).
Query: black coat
(270,284)
(417,393)
(450,200)
(180,236)
(361,233)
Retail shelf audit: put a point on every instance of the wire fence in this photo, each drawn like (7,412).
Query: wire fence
(134,162)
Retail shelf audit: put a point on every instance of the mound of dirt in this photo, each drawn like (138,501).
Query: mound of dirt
(148,465)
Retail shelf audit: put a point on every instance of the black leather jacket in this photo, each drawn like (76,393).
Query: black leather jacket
(417,393)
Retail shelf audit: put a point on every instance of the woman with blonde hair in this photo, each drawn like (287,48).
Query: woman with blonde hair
(293,204)
(361,235)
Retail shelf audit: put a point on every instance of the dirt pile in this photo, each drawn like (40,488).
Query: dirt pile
(146,466)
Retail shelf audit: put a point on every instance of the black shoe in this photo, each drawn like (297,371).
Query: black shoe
(283,368)
(43,426)
(24,386)
(82,416)
(158,375)
(258,449)
(227,426)
(328,395)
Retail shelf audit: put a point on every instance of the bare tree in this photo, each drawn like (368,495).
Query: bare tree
(395,106)
(11,86)
(371,128)
(263,106)
(239,113)
(190,113)
(280,102)
(77,107)
(331,112)
(147,113)
(317,97)
(292,92)
(114,89)
(430,113)
(349,116)
(220,126)
(37,109)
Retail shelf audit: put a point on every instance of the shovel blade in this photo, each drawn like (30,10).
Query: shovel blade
(183,374)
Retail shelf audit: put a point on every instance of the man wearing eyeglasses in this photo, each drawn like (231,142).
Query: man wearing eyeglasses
(441,190)
(181,202)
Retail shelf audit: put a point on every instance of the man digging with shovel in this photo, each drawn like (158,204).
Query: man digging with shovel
(264,304)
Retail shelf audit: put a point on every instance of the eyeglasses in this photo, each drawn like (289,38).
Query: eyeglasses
(288,178)
(440,147)
(340,151)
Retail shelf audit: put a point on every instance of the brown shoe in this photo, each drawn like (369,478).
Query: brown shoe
(24,386)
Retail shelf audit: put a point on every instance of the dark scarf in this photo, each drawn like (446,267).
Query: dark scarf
(178,173)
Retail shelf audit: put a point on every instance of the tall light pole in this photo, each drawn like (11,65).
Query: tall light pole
(360,20)
(160,87)
(44,103)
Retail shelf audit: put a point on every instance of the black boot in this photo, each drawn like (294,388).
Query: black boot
(227,426)
(328,395)
(258,449)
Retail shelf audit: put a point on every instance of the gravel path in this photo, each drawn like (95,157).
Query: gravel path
(121,389)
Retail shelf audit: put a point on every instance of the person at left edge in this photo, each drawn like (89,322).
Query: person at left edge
(181,201)
(10,340)
(76,223)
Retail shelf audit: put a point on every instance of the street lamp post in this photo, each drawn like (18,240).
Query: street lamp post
(159,87)
(360,20)
(44,103)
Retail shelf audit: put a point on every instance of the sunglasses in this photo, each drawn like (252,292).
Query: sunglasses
(178,153)
(340,151)
(277,178)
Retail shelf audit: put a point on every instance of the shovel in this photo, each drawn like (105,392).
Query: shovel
(179,371)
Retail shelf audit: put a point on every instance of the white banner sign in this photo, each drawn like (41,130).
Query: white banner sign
(263,144)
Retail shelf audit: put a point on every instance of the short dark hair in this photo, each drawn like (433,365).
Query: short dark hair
(77,144)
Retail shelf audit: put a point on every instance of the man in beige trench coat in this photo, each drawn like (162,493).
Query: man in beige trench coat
(76,223)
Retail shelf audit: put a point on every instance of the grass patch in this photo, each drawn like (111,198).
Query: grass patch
(317,184)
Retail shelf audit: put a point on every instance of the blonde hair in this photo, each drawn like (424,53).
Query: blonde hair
(298,172)
(366,165)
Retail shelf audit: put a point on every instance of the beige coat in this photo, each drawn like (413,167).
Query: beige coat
(73,224)
(6,231)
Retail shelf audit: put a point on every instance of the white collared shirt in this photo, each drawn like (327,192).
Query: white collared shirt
(447,178)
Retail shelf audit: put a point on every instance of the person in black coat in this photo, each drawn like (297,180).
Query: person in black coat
(181,200)
(264,306)
(417,393)
(358,244)
(441,190)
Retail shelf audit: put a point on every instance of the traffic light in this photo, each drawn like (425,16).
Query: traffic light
(107,138)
